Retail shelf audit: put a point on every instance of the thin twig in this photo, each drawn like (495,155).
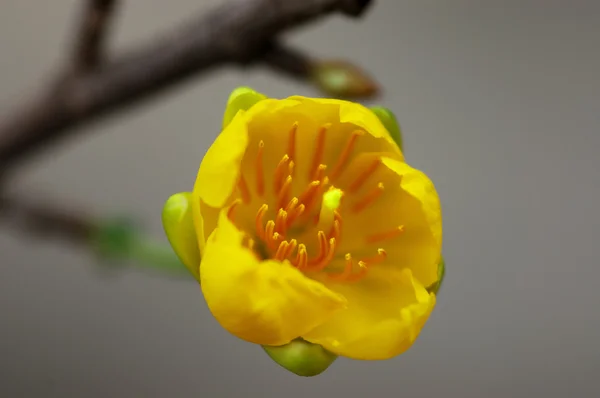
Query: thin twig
(45,220)
(113,241)
(236,32)
(88,49)
(287,60)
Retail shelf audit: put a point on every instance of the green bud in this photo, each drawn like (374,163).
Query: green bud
(389,121)
(301,357)
(242,98)
(178,224)
(342,79)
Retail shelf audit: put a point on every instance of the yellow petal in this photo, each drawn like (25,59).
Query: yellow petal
(355,114)
(242,98)
(263,302)
(179,227)
(410,200)
(234,149)
(271,122)
(220,167)
(218,176)
(419,186)
(386,312)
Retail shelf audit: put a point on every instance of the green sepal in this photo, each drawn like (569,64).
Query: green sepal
(178,224)
(301,357)
(435,287)
(389,121)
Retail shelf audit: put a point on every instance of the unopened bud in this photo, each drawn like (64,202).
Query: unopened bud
(342,79)
(388,119)
(301,357)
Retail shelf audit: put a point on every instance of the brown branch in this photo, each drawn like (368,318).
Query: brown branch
(287,60)
(236,32)
(88,48)
(44,220)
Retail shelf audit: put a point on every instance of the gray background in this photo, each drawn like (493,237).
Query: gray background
(499,105)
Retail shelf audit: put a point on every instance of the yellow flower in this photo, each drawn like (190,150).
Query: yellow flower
(311,225)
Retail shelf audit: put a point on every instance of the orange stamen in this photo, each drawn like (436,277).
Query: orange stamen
(319,194)
(293,215)
(337,169)
(274,241)
(260,178)
(347,269)
(319,149)
(290,249)
(291,205)
(322,249)
(284,193)
(280,173)
(291,150)
(360,274)
(280,221)
(244,191)
(362,177)
(319,174)
(335,230)
(385,235)
(269,231)
(309,195)
(368,199)
(314,200)
(260,229)
(376,259)
(327,259)
(280,254)
(325,184)
(273,232)
(337,217)
(301,257)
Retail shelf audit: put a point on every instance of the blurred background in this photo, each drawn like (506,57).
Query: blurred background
(499,104)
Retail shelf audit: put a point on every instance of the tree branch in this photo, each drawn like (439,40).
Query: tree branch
(117,242)
(89,40)
(236,32)
(44,220)
(287,60)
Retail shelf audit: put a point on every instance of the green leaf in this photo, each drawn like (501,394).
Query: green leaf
(119,241)
(115,239)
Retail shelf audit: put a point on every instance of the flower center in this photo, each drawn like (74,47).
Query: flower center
(300,215)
